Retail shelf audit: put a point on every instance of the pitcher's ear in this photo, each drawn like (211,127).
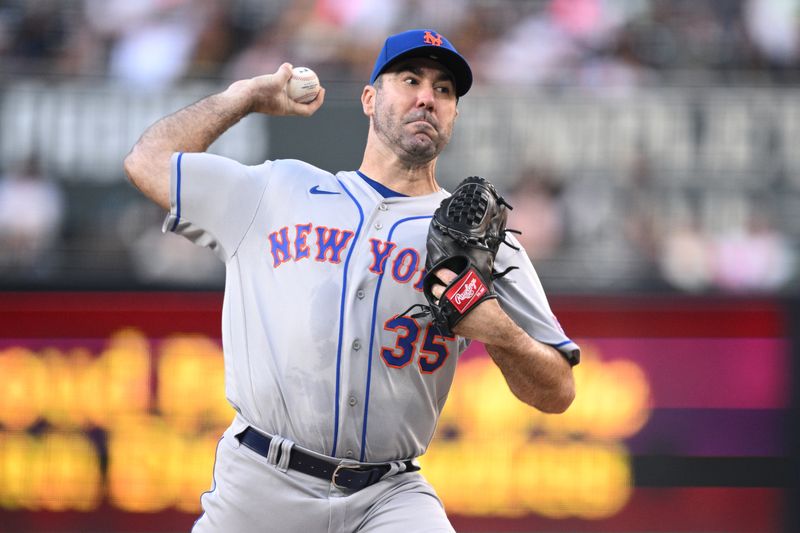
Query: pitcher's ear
(368,100)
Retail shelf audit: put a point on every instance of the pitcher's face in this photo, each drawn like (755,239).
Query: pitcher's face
(415,109)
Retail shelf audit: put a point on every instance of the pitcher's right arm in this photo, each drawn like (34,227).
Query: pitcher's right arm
(195,127)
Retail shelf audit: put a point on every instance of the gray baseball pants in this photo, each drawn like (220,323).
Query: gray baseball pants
(251,495)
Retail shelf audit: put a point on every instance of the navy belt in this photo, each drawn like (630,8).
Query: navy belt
(342,475)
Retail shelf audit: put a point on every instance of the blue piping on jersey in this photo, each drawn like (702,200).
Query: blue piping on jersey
(560,344)
(372,338)
(341,319)
(177,195)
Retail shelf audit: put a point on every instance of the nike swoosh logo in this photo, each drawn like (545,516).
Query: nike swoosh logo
(316,190)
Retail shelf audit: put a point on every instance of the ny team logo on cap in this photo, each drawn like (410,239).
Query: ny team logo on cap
(428,44)
(432,39)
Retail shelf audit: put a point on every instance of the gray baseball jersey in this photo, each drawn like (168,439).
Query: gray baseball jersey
(319,269)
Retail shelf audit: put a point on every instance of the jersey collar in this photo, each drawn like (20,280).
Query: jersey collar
(383,190)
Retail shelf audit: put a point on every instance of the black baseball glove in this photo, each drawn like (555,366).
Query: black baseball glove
(464,235)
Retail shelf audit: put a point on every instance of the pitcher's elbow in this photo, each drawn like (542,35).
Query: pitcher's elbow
(131,167)
(560,400)
(565,400)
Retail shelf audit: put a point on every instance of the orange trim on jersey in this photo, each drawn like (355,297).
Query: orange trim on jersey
(331,239)
(440,359)
(280,248)
(380,255)
(397,264)
(418,285)
(301,248)
(412,344)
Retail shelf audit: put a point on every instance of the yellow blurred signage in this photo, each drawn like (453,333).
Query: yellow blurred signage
(491,456)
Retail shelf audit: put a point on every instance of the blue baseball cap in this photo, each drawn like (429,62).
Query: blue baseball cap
(424,43)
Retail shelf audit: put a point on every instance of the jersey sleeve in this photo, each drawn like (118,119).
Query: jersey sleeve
(213,200)
(522,296)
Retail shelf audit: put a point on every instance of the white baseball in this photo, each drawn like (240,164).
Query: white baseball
(303,85)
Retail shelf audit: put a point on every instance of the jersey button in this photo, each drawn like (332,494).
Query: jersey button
(352,400)
(360,294)
(383,207)
(378,225)
(349,454)
(356,344)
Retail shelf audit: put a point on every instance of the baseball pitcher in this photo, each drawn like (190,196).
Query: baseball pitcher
(349,298)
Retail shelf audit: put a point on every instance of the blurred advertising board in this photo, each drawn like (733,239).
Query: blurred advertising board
(112,403)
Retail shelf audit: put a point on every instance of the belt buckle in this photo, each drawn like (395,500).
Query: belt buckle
(342,466)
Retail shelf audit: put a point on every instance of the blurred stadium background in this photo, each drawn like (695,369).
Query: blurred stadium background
(650,149)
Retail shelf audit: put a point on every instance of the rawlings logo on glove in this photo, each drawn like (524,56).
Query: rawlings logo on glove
(464,235)
(463,294)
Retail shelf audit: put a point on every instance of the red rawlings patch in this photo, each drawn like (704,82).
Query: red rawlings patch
(466,292)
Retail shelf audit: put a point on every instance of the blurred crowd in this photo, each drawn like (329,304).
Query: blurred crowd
(630,240)
(608,45)
(605,42)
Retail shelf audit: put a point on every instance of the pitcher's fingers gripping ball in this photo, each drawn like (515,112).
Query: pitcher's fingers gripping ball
(464,235)
(303,85)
